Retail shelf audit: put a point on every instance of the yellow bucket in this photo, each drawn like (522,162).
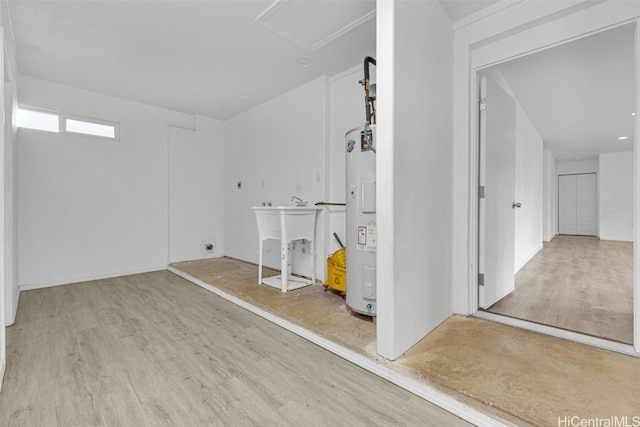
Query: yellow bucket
(336,271)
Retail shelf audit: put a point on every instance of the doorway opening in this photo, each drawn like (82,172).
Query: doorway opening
(556,175)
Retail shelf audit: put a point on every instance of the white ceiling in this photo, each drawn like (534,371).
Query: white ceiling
(579,96)
(459,9)
(211,57)
(219,58)
(200,57)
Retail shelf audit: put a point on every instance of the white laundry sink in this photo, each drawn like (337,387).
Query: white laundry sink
(286,223)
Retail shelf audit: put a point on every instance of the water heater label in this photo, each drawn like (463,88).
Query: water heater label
(362,235)
(367,238)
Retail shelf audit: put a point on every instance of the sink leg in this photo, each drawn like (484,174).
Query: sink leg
(284,264)
(259,261)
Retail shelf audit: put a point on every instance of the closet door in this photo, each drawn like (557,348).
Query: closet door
(577,204)
(567,204)
(586,213)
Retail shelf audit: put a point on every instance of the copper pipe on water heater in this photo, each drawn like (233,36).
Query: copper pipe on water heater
(368,99)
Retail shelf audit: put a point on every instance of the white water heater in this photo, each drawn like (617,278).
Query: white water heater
(361,219)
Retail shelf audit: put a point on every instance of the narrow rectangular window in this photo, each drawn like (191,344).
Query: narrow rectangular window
(64,123)
(38,120)
(90,128)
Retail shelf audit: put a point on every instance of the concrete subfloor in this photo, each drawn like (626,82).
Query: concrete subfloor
(519,376)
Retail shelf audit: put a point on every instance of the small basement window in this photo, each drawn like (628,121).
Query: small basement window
(38,120)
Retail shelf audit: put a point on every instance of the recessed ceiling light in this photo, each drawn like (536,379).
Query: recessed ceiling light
(622,138)
(632,114)
(245,96)
(304,62)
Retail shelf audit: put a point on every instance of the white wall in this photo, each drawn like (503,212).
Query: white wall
(616,196)
(196,190)
(10,174)
(10,204)
(550,198)
(3,231)
(93,197)
(576,166)
(91,207)
(414,175)
(276,150)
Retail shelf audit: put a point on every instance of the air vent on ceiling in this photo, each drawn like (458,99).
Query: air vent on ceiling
(313,25)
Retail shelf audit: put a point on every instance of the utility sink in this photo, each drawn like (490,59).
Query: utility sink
(286,223)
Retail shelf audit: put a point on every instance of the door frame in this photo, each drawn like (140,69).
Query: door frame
(491,56)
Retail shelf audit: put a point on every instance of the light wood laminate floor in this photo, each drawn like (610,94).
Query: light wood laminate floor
(154,349)
(579,283)
(520,376)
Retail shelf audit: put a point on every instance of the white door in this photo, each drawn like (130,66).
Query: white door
(586,215)
(577,204)
(567,204)
(497,211)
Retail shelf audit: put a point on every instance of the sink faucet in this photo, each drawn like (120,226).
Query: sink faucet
(298,201)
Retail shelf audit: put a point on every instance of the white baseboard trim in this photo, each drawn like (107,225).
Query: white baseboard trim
(602,343)
(615,239)
(430,394)
(29,287)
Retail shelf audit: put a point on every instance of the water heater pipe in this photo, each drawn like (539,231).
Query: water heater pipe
(370,109)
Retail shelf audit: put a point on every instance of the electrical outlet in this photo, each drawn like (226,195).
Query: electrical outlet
(209,247)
